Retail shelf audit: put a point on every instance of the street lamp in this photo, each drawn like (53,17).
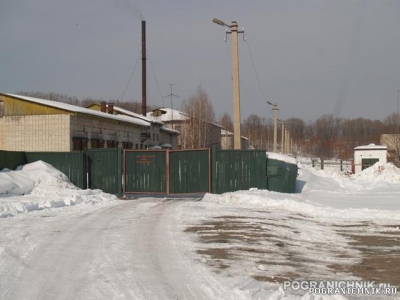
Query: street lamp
(236,93)
(275,109)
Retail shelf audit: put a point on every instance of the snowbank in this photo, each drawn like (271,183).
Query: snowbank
(387,172)
(38,186)
(374,195)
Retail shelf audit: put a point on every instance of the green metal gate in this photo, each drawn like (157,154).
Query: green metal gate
(105,170)
(167,172)
(189,171)
(145,171)
(235,170)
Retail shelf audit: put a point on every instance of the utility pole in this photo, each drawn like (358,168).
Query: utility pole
(283,138)
(276,110)
(235,69)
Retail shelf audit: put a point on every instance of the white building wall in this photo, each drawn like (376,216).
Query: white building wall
(360,154)
(35,133)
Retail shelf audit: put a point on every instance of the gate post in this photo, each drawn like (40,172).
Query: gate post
(167,180)
(119,163)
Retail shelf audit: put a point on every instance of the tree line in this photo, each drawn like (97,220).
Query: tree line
(327,137)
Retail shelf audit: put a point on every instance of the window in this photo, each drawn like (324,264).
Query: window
(127,145)
(79,144)
(137,146)
(96,143)
(112,144)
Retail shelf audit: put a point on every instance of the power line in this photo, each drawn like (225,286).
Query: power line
(155,78)
(255,71)
(130,78)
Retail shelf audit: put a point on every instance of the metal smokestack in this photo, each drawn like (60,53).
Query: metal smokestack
(144,101)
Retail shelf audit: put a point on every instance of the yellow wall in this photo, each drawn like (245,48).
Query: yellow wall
(96,107)
(19,107)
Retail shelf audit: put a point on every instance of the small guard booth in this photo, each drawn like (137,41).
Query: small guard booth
(367,156)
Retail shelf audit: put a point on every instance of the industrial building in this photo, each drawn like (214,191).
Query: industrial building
(32,124)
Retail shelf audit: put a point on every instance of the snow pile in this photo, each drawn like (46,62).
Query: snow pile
(387,172)
(329,196)
(38,186)
(25,178)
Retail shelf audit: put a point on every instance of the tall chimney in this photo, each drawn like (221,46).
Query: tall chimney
(144,104)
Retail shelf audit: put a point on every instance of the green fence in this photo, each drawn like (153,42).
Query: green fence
(235,170)
(70,163)
(189,171)
(145,171)
(105,170)
(165,172)
(11,160)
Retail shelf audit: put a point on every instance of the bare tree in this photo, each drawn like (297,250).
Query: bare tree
(226,122)
(259,131)
(200,129)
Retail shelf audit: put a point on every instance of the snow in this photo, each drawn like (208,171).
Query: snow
(282,157)
(39,186)
(371,147)
(57,239)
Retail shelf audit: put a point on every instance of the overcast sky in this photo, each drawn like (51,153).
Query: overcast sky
(338,57)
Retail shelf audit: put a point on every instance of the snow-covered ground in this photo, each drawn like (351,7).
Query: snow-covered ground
(59,242)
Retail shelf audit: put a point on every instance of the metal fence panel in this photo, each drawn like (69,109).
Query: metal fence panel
(235,170)
(189,171)
(71,164)
(11,160)
(146,171)
(105,170)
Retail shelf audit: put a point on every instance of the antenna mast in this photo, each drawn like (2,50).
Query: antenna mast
(172,108)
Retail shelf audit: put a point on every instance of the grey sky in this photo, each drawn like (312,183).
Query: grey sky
(337,57)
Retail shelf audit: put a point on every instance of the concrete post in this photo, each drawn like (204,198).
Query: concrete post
(276,110)
(236,92)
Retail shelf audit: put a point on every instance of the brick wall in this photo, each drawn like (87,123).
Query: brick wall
(35,133)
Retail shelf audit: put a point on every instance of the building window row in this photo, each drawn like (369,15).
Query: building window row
(82,144)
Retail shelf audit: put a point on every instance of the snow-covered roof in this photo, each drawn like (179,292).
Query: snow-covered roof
(82,110)
(171,114)
(133,114)
(229,133)
(170,130)
(371,147)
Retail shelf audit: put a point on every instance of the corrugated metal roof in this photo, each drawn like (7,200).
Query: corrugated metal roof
(82,110)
